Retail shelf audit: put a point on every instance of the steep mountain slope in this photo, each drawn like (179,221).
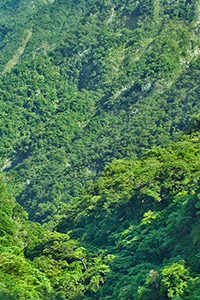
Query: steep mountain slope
(95,80)
(86,87)
(144,215)
(133,234)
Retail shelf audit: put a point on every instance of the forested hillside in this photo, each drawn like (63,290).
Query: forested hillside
(133,234)
(100,150)
(41,265)
(85,82)
(144,216)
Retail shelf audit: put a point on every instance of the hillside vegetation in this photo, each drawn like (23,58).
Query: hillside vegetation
(100,150)
(95,81)
(133,234)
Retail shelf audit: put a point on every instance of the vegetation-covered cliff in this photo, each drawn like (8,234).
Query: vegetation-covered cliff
(83,83)
(99,143)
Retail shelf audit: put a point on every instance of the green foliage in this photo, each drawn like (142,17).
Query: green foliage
(87,86)
(146,214)
(174,279)
(39,264)
(133,234)
(97,80)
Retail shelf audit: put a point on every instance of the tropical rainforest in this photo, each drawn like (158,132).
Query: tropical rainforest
(99,150)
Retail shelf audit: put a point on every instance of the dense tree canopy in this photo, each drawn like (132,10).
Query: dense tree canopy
(83,83)
(133,234)
(99,144)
